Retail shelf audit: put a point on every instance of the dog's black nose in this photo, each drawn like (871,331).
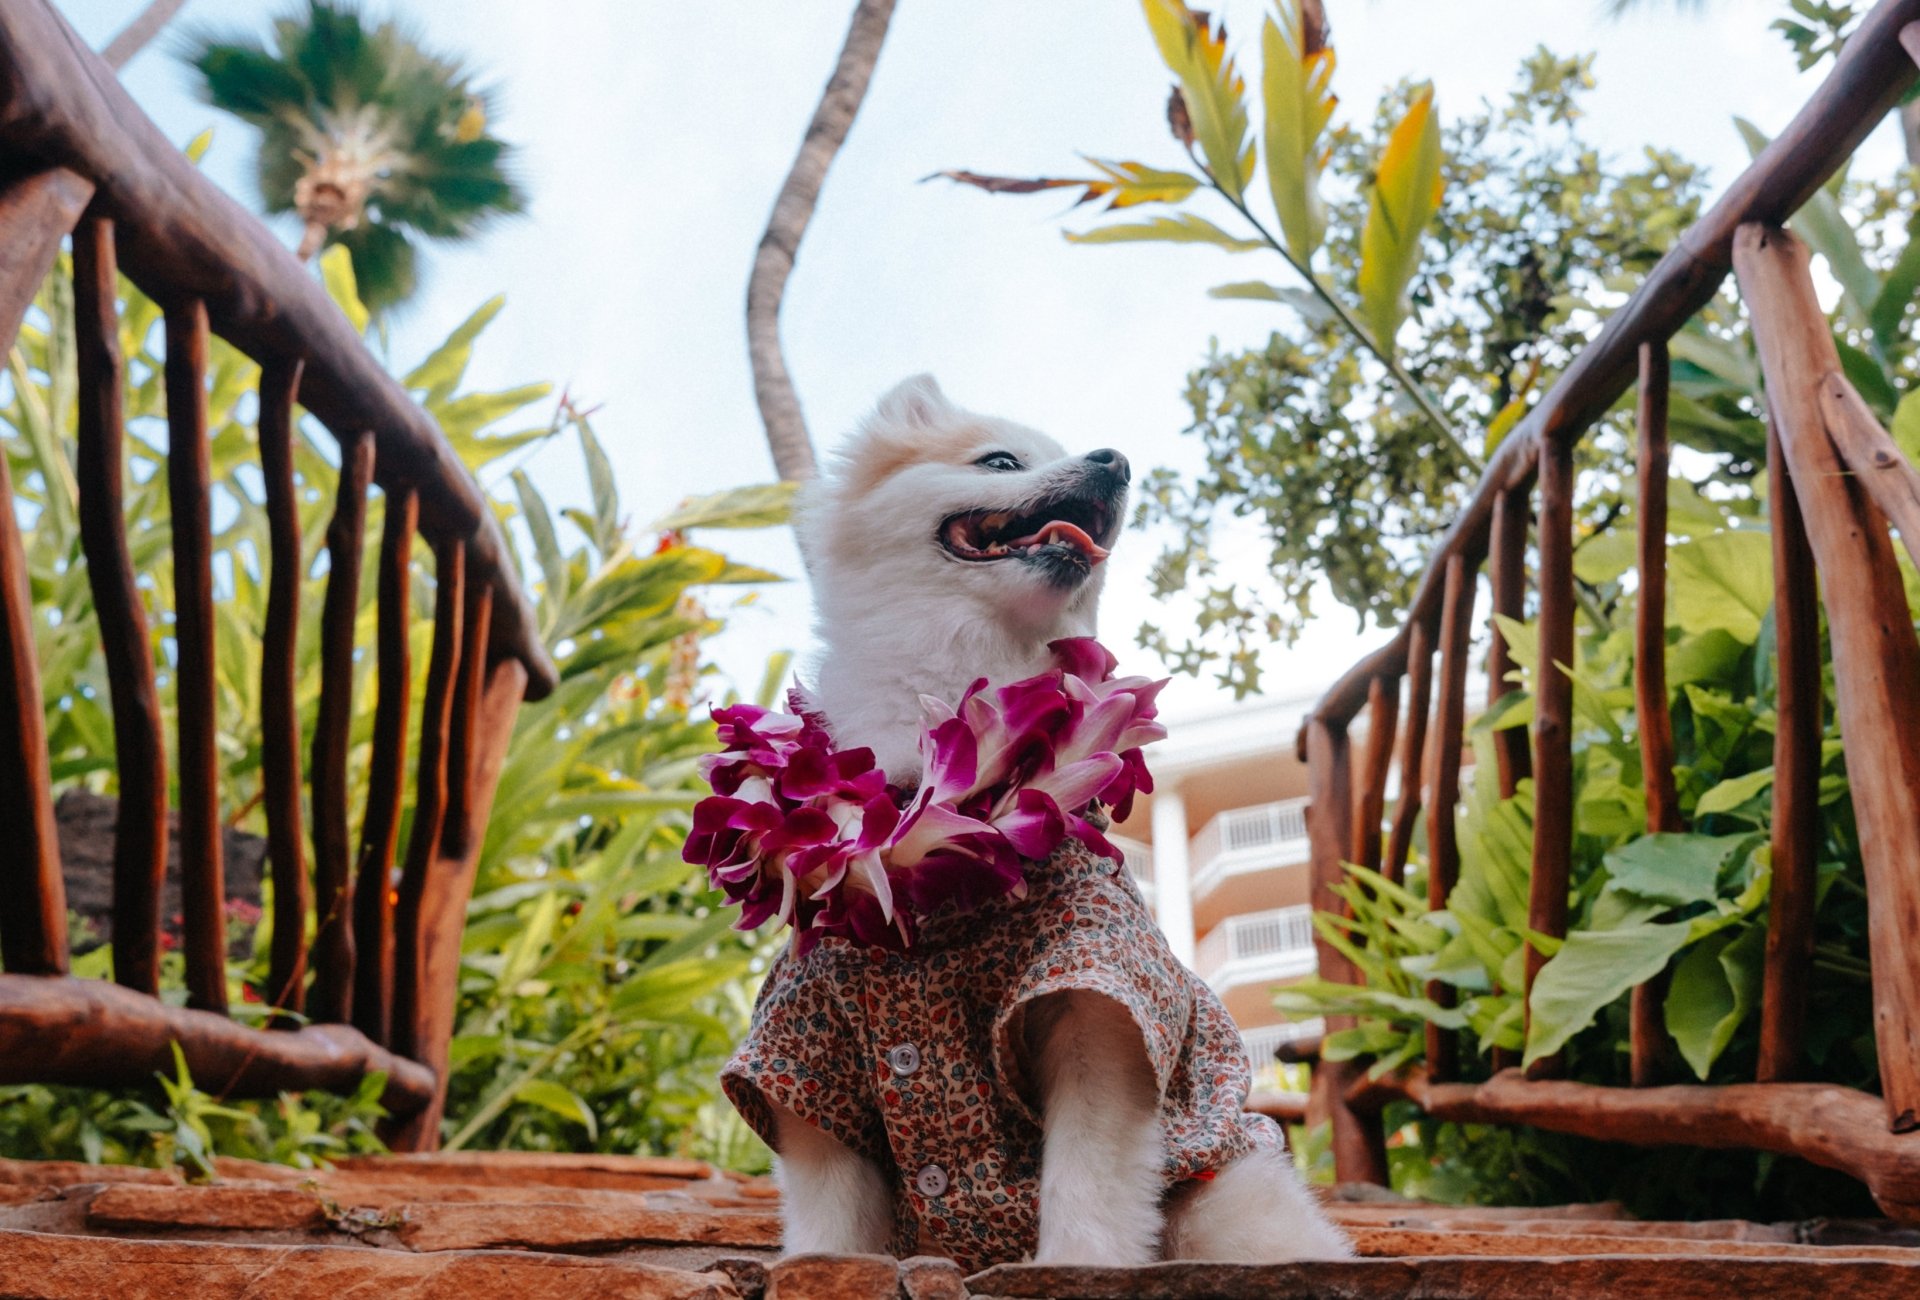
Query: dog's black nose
(1113,461)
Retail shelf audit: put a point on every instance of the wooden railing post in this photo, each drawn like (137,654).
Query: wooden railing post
(1647,1028)
(1359,1145)
(279,711)
(429,797)
(1413,753)
(35,214)
(332,845)
(202,877)
(1443,766)
(140,750)
(1383,718)
(1553,715)
(1796,779)
(1876,658)
(1507,575)
(373,891)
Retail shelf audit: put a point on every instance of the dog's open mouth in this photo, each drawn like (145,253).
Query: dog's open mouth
(1060,530)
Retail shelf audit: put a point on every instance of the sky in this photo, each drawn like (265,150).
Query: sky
(655,135)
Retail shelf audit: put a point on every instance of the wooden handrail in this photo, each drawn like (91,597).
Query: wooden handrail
(1837,478)
(77,156)
(1868,78)
(181,238)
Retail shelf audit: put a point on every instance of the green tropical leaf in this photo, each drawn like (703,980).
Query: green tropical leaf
(1296,88)
(336,272)
(1724,581)
(1713,988)
(759,505)
(1591,970)
(1405,195)
(1672,868)
(568,1105)
(1182,228)
(1194,48)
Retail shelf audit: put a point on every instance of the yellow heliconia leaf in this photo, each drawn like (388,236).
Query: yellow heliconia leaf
(1296,85)
(336,272)
(1406,194)
(1194,48)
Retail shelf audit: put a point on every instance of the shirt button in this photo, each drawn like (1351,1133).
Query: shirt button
(904,1059)
(931,1180)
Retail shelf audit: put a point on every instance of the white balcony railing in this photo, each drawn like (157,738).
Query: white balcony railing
(1256,947)
(1264,1041)
(1249,839)
(1139,862)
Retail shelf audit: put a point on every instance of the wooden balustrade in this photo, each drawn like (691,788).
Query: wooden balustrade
(78,158)
(1837,479)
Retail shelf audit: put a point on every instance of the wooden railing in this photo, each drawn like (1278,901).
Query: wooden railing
(78,157)
(1837,479)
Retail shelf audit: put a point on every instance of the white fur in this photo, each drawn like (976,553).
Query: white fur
(1100,1161)
(899,618)
(1256,1210)
(831,1200)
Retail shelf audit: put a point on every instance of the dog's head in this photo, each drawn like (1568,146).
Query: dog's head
(933,499)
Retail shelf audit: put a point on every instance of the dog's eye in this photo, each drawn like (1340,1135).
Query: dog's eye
(1000,460)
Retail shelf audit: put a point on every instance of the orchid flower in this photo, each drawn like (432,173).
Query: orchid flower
(814,837)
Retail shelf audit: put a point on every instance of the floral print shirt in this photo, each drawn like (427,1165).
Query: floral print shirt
(909,1058)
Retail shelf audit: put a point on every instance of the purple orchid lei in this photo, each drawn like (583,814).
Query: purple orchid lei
(815,836)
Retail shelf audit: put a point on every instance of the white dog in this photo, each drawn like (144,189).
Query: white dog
(944,547)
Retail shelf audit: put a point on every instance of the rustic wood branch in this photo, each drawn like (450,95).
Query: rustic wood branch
(429,800)
(140,31)
(1829,1125)
(1649,1042)
(1359,1146)
(787,439)
(1876,659)
(462,740)
(386,776)
(1874,459)
(35,214)
(1796,780)
(444,916)
(1443,778)
(1376,766)
(1507,574)
(333,733)
(1868,78)
(140,753)
(1553,714)
(55,1029)
(1412,754)
(189,490)
(180,237)
(279,710)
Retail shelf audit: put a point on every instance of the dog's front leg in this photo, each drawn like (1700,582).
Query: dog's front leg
(1100,1170)
(832,1200)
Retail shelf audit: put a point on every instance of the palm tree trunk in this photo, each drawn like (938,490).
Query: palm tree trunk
(1910,131)
(787,437)
(311,239)
(136,35)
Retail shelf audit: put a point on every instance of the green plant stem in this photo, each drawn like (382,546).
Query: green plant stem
(1413,388)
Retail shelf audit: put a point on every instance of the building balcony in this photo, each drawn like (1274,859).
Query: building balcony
(1257,948)
(1139,862)
(1244,840)
(1263,1041)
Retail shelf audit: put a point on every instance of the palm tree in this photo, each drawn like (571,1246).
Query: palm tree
(370,140)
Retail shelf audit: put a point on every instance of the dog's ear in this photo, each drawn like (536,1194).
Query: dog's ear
(915,403)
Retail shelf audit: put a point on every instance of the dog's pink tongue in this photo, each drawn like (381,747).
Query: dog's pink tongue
(1073,535)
